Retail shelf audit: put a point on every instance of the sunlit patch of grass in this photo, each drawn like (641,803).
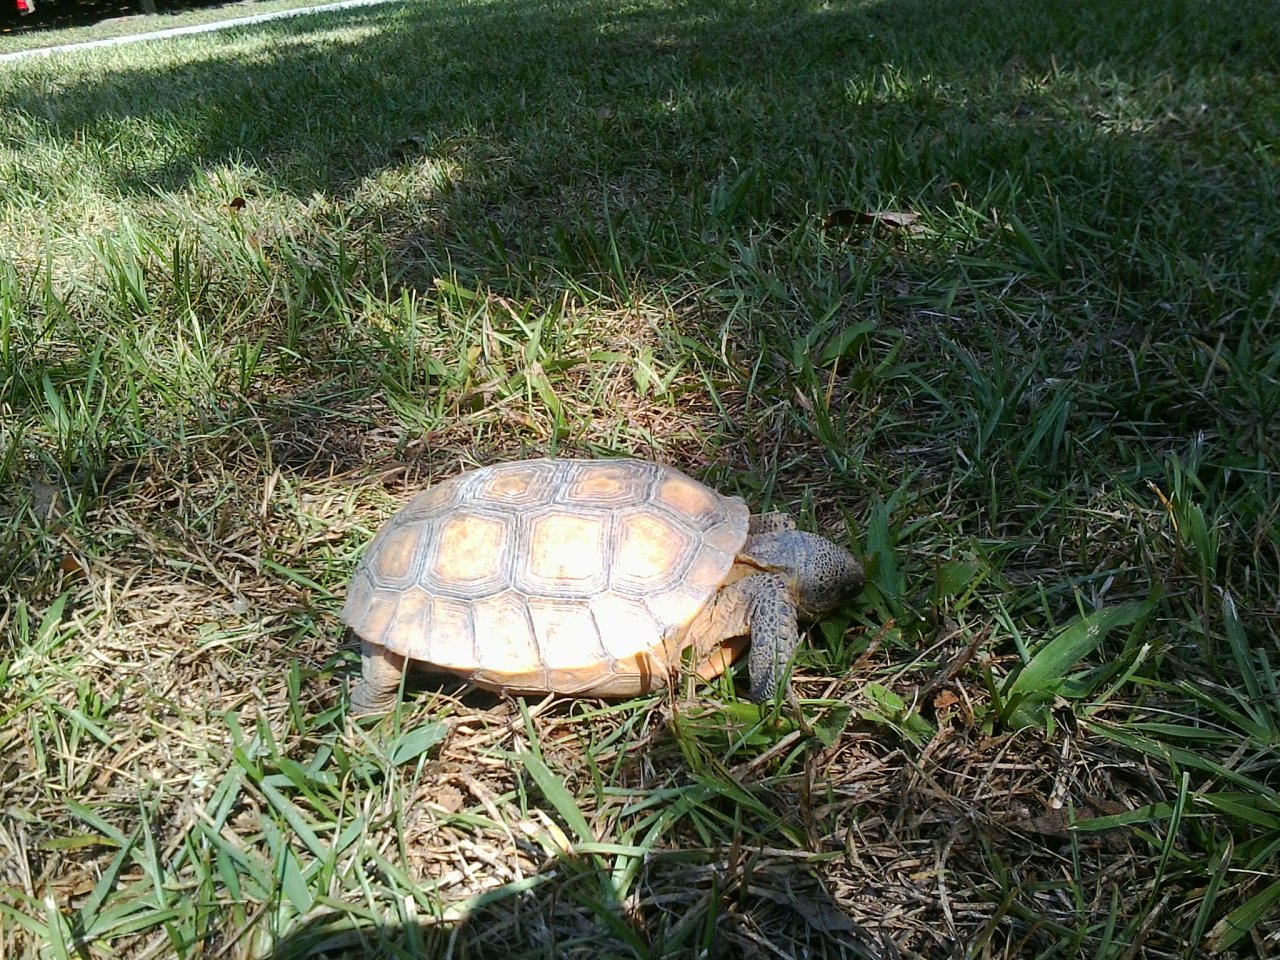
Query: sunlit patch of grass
(987,294)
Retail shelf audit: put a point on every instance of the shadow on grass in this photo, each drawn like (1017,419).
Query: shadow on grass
(520,139)
(570,910)
(526,130)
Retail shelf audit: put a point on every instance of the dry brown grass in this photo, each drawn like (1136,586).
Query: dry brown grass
(200,619)
(863,848)
(200,622)
(257,290)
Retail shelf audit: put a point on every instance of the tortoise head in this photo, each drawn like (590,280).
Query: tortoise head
(823,574)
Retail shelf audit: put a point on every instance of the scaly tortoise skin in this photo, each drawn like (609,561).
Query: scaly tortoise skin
(585,577)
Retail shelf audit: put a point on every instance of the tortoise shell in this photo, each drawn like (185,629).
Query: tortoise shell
(573,576)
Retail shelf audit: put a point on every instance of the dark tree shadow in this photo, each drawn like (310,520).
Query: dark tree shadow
(646,142)
(569,911)
(533,154)
(435,71)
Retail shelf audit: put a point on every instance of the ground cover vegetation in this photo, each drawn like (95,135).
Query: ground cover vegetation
(987,291)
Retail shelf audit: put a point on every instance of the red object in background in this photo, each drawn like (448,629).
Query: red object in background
(26,6)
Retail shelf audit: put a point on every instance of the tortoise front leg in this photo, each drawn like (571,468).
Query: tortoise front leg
(379,683)
(774,634)
(759,607)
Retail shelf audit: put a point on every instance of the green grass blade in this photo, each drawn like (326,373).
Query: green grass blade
(296,820)
(1237,924)
(553,788)
(1036,683)
(417,741)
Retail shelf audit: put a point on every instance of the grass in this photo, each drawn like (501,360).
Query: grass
(260,286)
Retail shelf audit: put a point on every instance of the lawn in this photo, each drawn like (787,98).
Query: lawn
(988,292)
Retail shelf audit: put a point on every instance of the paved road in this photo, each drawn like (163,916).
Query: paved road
(182,31)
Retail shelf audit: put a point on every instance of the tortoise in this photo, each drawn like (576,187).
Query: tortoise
(589,577)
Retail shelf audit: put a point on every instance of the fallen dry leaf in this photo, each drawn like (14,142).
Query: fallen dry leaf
(895,219)
(945,700)
(840,217)
(845,217)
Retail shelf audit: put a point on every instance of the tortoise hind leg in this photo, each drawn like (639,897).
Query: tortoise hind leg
(379,683)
